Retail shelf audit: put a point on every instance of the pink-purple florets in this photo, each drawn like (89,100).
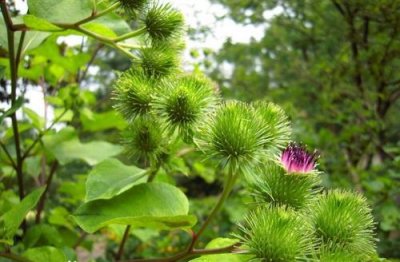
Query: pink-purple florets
(296,159)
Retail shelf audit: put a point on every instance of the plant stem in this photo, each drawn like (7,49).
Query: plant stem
(151,177)
(123,241)
(130,34)
(225,193)
(190,250)
(8,155)
(20,46)
(42,200)
(14,257)
(14,77)
(96,15)
(55,121)
(192,253)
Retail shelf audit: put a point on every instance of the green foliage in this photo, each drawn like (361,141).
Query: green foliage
(156,205)
(12,219)
(220,243)
(50,254)
(66,147)
(88,192)
(60,11)
(110,178)
(332,66)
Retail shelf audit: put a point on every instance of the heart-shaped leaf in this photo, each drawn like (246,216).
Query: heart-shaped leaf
(12,219)
(110,178)
(154,205)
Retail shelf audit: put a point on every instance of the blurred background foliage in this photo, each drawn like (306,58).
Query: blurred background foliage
(332,65)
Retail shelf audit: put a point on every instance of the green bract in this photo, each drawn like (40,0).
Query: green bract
(327,254)
(158,61)
(276,122)
(234,134)
(184,102)
(343,219)
(132,94)
(277,234)
(275,187)
(144,139)
(132,6)
(163,22)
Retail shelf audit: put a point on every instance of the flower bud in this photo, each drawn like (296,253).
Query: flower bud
(344,220)
(144,139)
(163,22)
(132,6)
(184,102)
(277,234)
(274,187)
(158,61)
(296,159)
(234,135)
(132,94)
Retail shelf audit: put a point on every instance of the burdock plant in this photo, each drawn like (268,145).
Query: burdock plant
(183,103)
(291,216)
(277,234)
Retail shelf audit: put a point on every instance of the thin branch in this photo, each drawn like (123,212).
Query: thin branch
(26,154)
(43,198)
(339,8)
(23,27)
(96,51)
(394,95)
(20,46)
(137,32)
(97,15)
(14,257)
(122,244)
(6,14)
(76,26)
(8,155)
(14,77)
(192,253)
(225,193)
(152,175)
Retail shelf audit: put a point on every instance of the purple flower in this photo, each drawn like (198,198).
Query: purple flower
(296,159)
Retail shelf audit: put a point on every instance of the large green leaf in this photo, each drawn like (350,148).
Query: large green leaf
(40,24)
(37,121)
(92,121)
(115,23)
(12,219)
(99,29)
(61,11)
(221,243)
(46,253)
(66,147)
(154,205)
(110,178)
(32,38)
